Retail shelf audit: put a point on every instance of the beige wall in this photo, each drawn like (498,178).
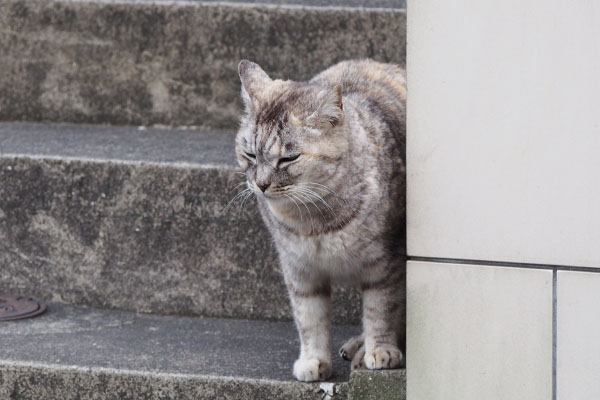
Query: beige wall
(503,155)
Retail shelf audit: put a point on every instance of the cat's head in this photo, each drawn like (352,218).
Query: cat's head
(291,136)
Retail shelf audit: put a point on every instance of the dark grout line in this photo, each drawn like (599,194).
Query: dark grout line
(554,328)
(504,264)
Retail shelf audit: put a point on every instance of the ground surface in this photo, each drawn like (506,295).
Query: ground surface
(95,338)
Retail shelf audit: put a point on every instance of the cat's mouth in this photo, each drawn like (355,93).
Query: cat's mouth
(274,195)
(277,196)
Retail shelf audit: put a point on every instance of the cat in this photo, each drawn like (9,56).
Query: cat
(325,159)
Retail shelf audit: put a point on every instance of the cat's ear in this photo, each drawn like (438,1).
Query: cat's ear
(330,109)
(254,80)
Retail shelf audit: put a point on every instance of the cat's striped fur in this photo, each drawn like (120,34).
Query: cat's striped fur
(326,161)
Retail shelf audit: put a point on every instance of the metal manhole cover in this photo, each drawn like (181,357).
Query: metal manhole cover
(14,307)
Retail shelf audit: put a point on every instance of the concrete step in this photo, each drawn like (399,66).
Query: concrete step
(174,62)
(76,352)
(118,217)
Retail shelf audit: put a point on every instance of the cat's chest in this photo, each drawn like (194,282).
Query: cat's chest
(331,252)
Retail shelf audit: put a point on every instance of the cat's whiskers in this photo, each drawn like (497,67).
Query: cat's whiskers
(312,226)
(311,200)
(317,185)
(238,196)
(296,203)
(240,184)
(243,203)
(288,192)
(318,197)
(326,191)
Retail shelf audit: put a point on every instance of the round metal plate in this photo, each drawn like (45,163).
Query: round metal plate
(14,307)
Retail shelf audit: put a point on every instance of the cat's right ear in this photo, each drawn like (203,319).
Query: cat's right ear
(254,81)
(330,110)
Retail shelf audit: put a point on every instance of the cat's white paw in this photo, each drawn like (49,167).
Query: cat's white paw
(384,357)
(311,369)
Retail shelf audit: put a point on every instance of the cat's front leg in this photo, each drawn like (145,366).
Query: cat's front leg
(383,289)
(311,304)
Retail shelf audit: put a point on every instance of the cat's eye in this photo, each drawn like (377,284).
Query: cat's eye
(285,160)
(250,156)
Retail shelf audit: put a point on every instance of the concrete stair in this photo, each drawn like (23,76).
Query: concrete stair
(117,217)
(75,352)
(156,289)
(126,218)
(175,63)
(80,353)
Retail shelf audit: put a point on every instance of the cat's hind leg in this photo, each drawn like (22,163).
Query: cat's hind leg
(358,361)
(383,291)
(351,347)
(358,357)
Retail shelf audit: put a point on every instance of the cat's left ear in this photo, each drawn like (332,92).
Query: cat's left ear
(254,81)
(330,110)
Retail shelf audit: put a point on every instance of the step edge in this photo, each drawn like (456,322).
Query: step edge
(67,159)
(326,388)
(231,4)
(148,374)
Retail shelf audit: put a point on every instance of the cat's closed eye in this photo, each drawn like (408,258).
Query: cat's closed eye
(250,156)
(286,160)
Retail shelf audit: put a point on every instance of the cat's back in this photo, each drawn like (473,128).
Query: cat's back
(379,91)
(379,81)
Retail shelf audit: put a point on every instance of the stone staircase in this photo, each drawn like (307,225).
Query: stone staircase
(156,287)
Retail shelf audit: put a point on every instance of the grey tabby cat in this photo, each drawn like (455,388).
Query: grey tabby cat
(326,161)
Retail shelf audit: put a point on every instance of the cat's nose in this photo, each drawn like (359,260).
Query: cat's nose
(263,186)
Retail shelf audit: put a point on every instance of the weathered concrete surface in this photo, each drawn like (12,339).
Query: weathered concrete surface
(24,382)
(105,230)
(75,352)
(171,63)
(377,385)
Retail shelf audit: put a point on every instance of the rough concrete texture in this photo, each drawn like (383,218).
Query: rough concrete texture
(377,385)
(69,336)
(150,237)
(34,382)
(171,63)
